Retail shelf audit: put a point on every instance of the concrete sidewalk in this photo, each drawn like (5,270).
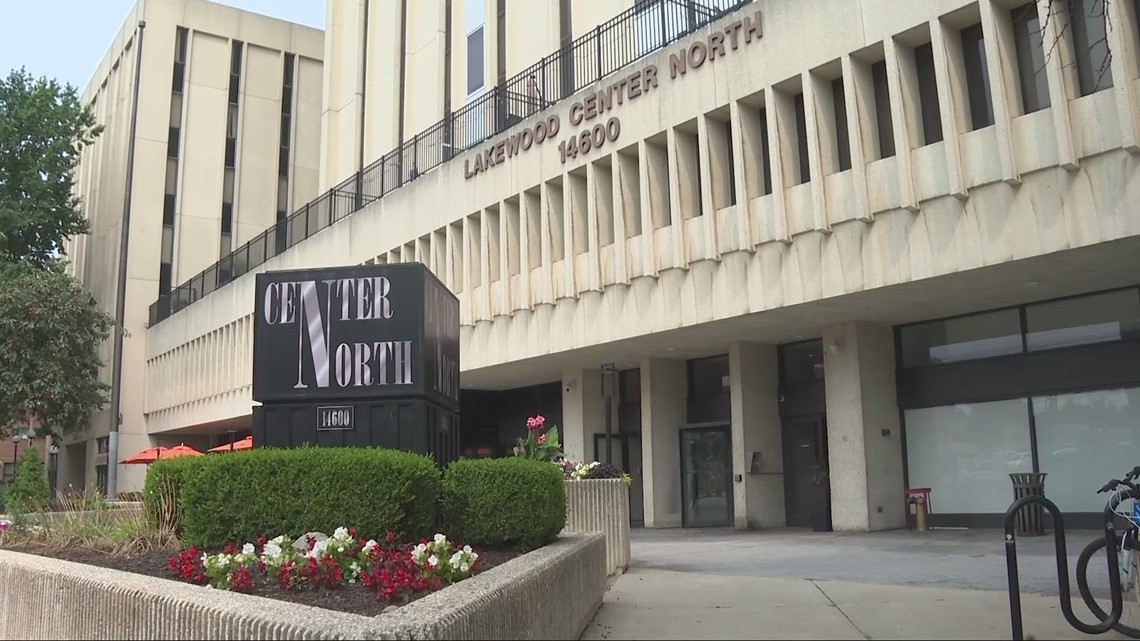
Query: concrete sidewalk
(649,603)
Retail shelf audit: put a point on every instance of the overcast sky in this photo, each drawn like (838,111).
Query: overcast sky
(66,39)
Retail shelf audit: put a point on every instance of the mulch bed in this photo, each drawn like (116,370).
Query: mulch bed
(356,598)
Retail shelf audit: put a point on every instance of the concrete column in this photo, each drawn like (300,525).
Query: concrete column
(662,414)
(758,499)
(583,413)
(864,443)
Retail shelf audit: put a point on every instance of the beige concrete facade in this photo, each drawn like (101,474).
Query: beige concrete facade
(196,176)
(717,220)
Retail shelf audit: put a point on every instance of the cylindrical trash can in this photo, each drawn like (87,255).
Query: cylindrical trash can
(1030,519)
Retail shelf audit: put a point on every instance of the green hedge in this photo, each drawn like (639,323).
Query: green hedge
(504,501)
(164,481)
(238,496)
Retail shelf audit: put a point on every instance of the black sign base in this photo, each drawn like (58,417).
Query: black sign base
(414,425)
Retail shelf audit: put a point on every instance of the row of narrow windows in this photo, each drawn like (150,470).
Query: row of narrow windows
(230,156)
(620,173)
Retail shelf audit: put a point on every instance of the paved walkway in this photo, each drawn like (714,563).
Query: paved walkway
(798,585)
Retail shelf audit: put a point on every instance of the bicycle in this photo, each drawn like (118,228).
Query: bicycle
(1128,554)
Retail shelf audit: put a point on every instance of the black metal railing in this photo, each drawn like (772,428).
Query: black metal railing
(643,29)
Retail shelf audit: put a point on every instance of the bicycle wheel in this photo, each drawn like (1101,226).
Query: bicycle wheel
(1130,616)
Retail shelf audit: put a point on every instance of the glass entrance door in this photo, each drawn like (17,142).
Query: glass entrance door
(706,476)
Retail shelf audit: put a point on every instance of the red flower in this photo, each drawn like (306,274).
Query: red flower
(240,580)
(229,548)
(541,439)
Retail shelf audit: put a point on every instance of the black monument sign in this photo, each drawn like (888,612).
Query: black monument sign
(364,355)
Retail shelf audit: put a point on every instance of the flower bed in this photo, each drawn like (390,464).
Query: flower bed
(53,598)
(339,572)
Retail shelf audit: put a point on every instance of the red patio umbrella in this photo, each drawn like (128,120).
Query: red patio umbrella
(181,449)
(152,454)
(146,457)
(244,444)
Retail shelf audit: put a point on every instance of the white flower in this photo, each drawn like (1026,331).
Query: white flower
(248,549)
(467,549)
(369,546)
(341,533)
(440,539)
(463,567)
(205,557)
(272,550)
(432,561)
(456,559)
(419,553)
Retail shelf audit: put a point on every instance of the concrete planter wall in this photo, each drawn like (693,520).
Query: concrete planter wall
(551,593)
(601,505)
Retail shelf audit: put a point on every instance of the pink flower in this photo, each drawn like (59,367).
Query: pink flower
(535,423)
(541,439)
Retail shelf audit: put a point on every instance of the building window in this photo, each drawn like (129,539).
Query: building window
(287,81)
(475,61)
(842,140)
(977,77)
(883,120)
(962,338)
(801,362)
(225,245)
(801,139)
(1030,58)
(1079,437)
(475,18)
(173,149)
(1099,318)
(1087,26)
(730,164)
(928,94)
(765,155)
(967,452)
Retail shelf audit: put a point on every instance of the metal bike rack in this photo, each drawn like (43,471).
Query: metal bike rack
(1062,569)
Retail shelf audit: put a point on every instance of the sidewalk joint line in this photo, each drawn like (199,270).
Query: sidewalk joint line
(836,606)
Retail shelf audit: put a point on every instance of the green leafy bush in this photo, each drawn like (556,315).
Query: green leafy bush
(505,501)
(29,490)
(238,496)
(161,494)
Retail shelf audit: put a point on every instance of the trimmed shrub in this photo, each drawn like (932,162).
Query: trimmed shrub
(29,490)
(161,493)
(504,501)
(239,496)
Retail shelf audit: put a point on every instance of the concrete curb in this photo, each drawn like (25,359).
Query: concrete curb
(551,593)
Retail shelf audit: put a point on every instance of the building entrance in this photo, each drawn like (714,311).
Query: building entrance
(805,462)
(706,475)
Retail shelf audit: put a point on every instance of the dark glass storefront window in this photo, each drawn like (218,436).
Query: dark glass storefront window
(1111,316)
(709,375)
(962,338)
(802,362)
(709,390)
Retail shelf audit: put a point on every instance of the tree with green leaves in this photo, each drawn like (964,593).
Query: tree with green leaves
(43,129)
(51,328)
(29,490)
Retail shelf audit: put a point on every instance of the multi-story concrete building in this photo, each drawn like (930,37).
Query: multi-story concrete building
(227,141)
(883,244)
